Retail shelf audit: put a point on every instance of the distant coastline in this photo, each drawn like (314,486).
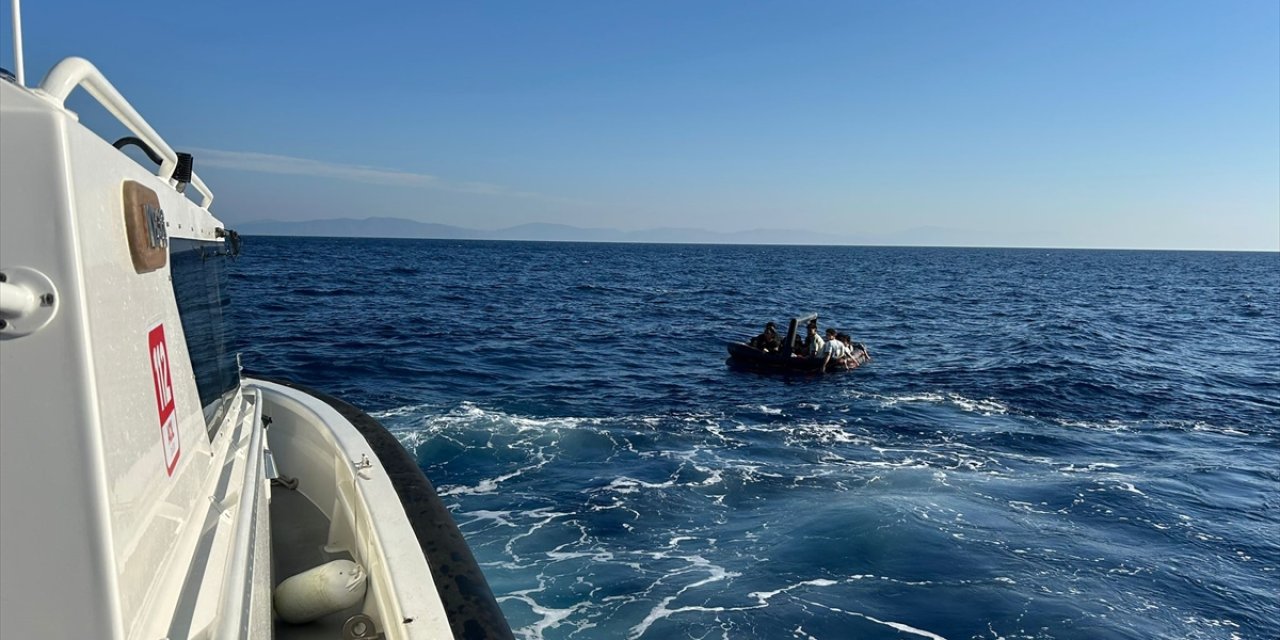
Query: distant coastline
(390,227)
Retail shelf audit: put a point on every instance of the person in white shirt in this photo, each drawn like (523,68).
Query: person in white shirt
(832,349)
(853,349)
(812,341)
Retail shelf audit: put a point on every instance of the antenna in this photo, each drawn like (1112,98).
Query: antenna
(18,73)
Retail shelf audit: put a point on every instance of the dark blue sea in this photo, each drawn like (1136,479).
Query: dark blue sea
(1047,444)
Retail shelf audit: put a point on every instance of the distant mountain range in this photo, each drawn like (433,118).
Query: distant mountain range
(402,228)
(385,227)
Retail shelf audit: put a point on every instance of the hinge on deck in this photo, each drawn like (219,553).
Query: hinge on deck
(360,627)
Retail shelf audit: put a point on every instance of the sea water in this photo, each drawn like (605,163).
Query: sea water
(1047,444)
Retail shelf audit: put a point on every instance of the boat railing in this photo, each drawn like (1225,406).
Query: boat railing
(233,610)
(77,72)
(16,22)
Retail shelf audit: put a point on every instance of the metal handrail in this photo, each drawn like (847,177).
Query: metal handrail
(77,72)
(19,73)
(233,611)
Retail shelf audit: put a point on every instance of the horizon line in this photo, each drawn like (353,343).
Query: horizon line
(964,238)
(768,244)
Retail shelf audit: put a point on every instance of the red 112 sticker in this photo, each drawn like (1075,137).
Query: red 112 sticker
(159,352)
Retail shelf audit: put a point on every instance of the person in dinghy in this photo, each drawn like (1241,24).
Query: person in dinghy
(802,350)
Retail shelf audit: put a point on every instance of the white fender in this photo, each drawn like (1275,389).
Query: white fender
(320,591)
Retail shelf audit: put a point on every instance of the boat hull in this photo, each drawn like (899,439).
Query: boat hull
(137,461)
(744,356)
(460,587)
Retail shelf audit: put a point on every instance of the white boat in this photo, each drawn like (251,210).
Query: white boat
(147,489)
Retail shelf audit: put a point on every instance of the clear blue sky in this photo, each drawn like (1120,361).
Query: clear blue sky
(1087,124)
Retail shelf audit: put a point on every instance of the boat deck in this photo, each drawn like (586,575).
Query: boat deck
(299,532)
